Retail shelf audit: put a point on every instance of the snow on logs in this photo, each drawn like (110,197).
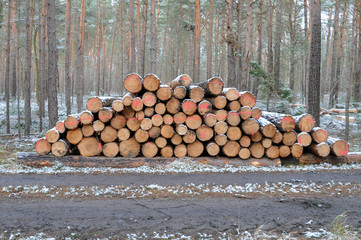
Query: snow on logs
(181,119)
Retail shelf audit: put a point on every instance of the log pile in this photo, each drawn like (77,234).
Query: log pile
(181,119)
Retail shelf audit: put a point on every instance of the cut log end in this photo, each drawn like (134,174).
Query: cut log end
(42,146)
(133,83)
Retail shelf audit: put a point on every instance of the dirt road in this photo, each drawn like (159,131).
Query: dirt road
(187,215)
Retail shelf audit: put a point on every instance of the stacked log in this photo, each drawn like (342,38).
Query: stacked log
(184,119)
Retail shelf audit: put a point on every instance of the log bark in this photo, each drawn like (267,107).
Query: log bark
(42,146)
(151,82)
(129,148)
(284,123)
(182,80)
(89,147)
(133,83)
(111,149)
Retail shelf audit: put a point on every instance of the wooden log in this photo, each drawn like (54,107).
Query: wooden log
(194,121)
(166,131)
(189,137)
(180,92)
(149,149)
(111,149)
(42,146)
(89,147)
(210,119)
(204,133)
(277,138)
(160,108)
(118,121)
(233,118)
(244,153)
(86,117)
(221,139)
(176,139)
(72,121)
(123,134)
(204,107)
(181,129)
(133,124)
(221,115)
(74,136)
(151,82)
(296,150)
(231,94)
(60,148)
(182,80)
(212,149)
(137,104)
(146,124)
(157,120)
(304,123)
(105,114)
(195,149)
(189,106)
(173,106)
(343,118)
(247,99)
(109,134)
(319,135)
(338,147)
(285,151)
(128,112)
(289,138)
(250,126)
(141,135)
(266,142)
(168,119)
(128,99)
(273,152)
(231,149)
(220,128)
(87,130)
(118,105)
(319,149)
(133,83)
(234,133)
(129,148)
(284,123)
(212,87)
(234,106)
(161,142)
(245,113)
(140,115)
(167,151)
(149,99)
(256,113)
(245,141)
(154,132)
(257,150)
(60,126)
(180,151)
(164,93)
(256,137)
(219,102)
(179,118)
(149,111)
(52,135)
(196,93)
(98,126)
(304,139)
(267,128)
(94,104)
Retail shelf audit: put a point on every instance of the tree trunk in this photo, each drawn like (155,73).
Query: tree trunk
(325,66)
(277,59)
(143,38)
(7,71)
(260,44)
(42,64)
(27,81)
(292,23)
(197,42)
(315,62)
(132,36)
(67,57)
(334,56)
(270,51)
(357,93)
(13,46)
(232,81)
(53,74)
(247,52)
(210,40)
(139,41)
(80,58)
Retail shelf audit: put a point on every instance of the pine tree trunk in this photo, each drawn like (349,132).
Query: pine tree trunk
(14,44)
(7,72)
(357,89)
(210,40)
(270,51)
(144,38)
(132,36)
(53,74)
(260,45)
(247,52)
(67,57)
(315,62)
(292,23)
(277,59)
(230,47)
(80,58)
(197,42)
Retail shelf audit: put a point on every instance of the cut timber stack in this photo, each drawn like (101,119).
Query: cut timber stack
(181,119)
